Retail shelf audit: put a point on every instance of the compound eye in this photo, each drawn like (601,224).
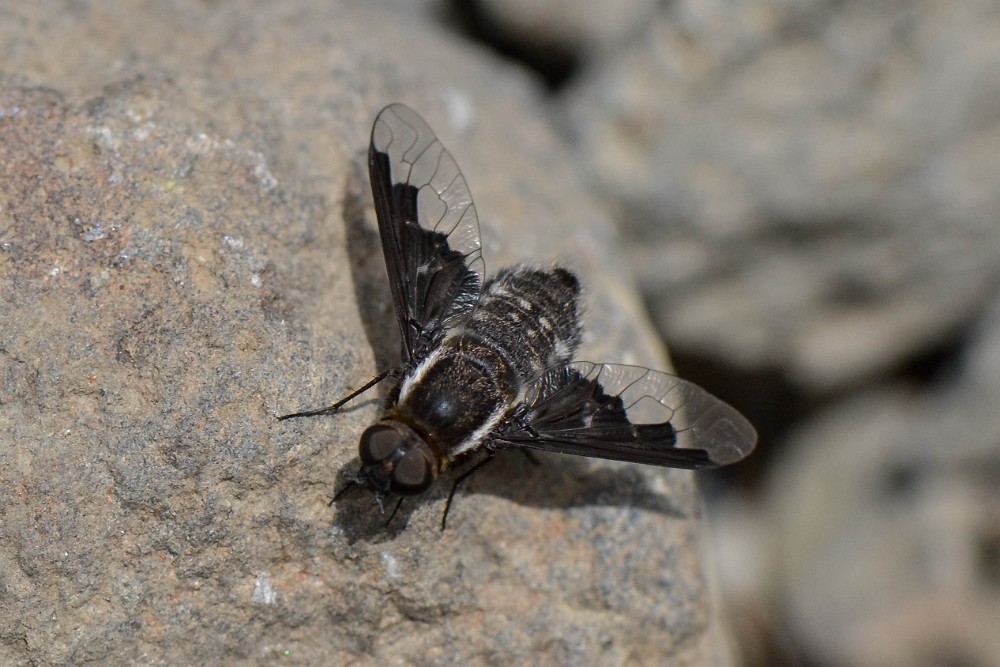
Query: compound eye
(412,473)
(378,444)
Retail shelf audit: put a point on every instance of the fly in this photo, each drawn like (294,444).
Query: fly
(487,364)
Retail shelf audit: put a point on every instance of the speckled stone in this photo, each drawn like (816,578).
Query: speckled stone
(187,249)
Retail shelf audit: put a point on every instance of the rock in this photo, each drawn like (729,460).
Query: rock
(808,194)
(806,187)
(186,251)
(588,29)
(885,515)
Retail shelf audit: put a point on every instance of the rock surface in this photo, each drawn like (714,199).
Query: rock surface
(887,516)
(809,187)
(187,250)
(810,194)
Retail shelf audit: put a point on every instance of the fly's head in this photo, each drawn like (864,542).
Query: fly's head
(396,459)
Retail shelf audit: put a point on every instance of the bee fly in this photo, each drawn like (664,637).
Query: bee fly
(488,365)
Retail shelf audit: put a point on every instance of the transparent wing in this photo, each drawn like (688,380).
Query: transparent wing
(629,413)
(429,229)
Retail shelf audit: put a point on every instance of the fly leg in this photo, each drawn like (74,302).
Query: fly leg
(461,478)
(392,372)
(395,509)
(347,487)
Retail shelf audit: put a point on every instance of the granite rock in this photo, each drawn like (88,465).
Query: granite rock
(187,250)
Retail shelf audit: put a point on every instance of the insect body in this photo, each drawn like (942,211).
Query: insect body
(488,366)
(460,393)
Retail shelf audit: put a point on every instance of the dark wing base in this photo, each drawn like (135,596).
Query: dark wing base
(628,413)
(429,230)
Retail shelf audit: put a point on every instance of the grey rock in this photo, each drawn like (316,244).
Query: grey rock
(884,509)
(187,250)
(810,187)
(810,190)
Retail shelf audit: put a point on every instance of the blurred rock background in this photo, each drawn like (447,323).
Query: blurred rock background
(809,195)
(806,192)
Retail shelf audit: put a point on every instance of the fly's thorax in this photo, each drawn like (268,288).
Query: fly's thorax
(461,388)
(526,322)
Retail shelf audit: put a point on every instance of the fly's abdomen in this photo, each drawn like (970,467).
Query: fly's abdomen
(529,316)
